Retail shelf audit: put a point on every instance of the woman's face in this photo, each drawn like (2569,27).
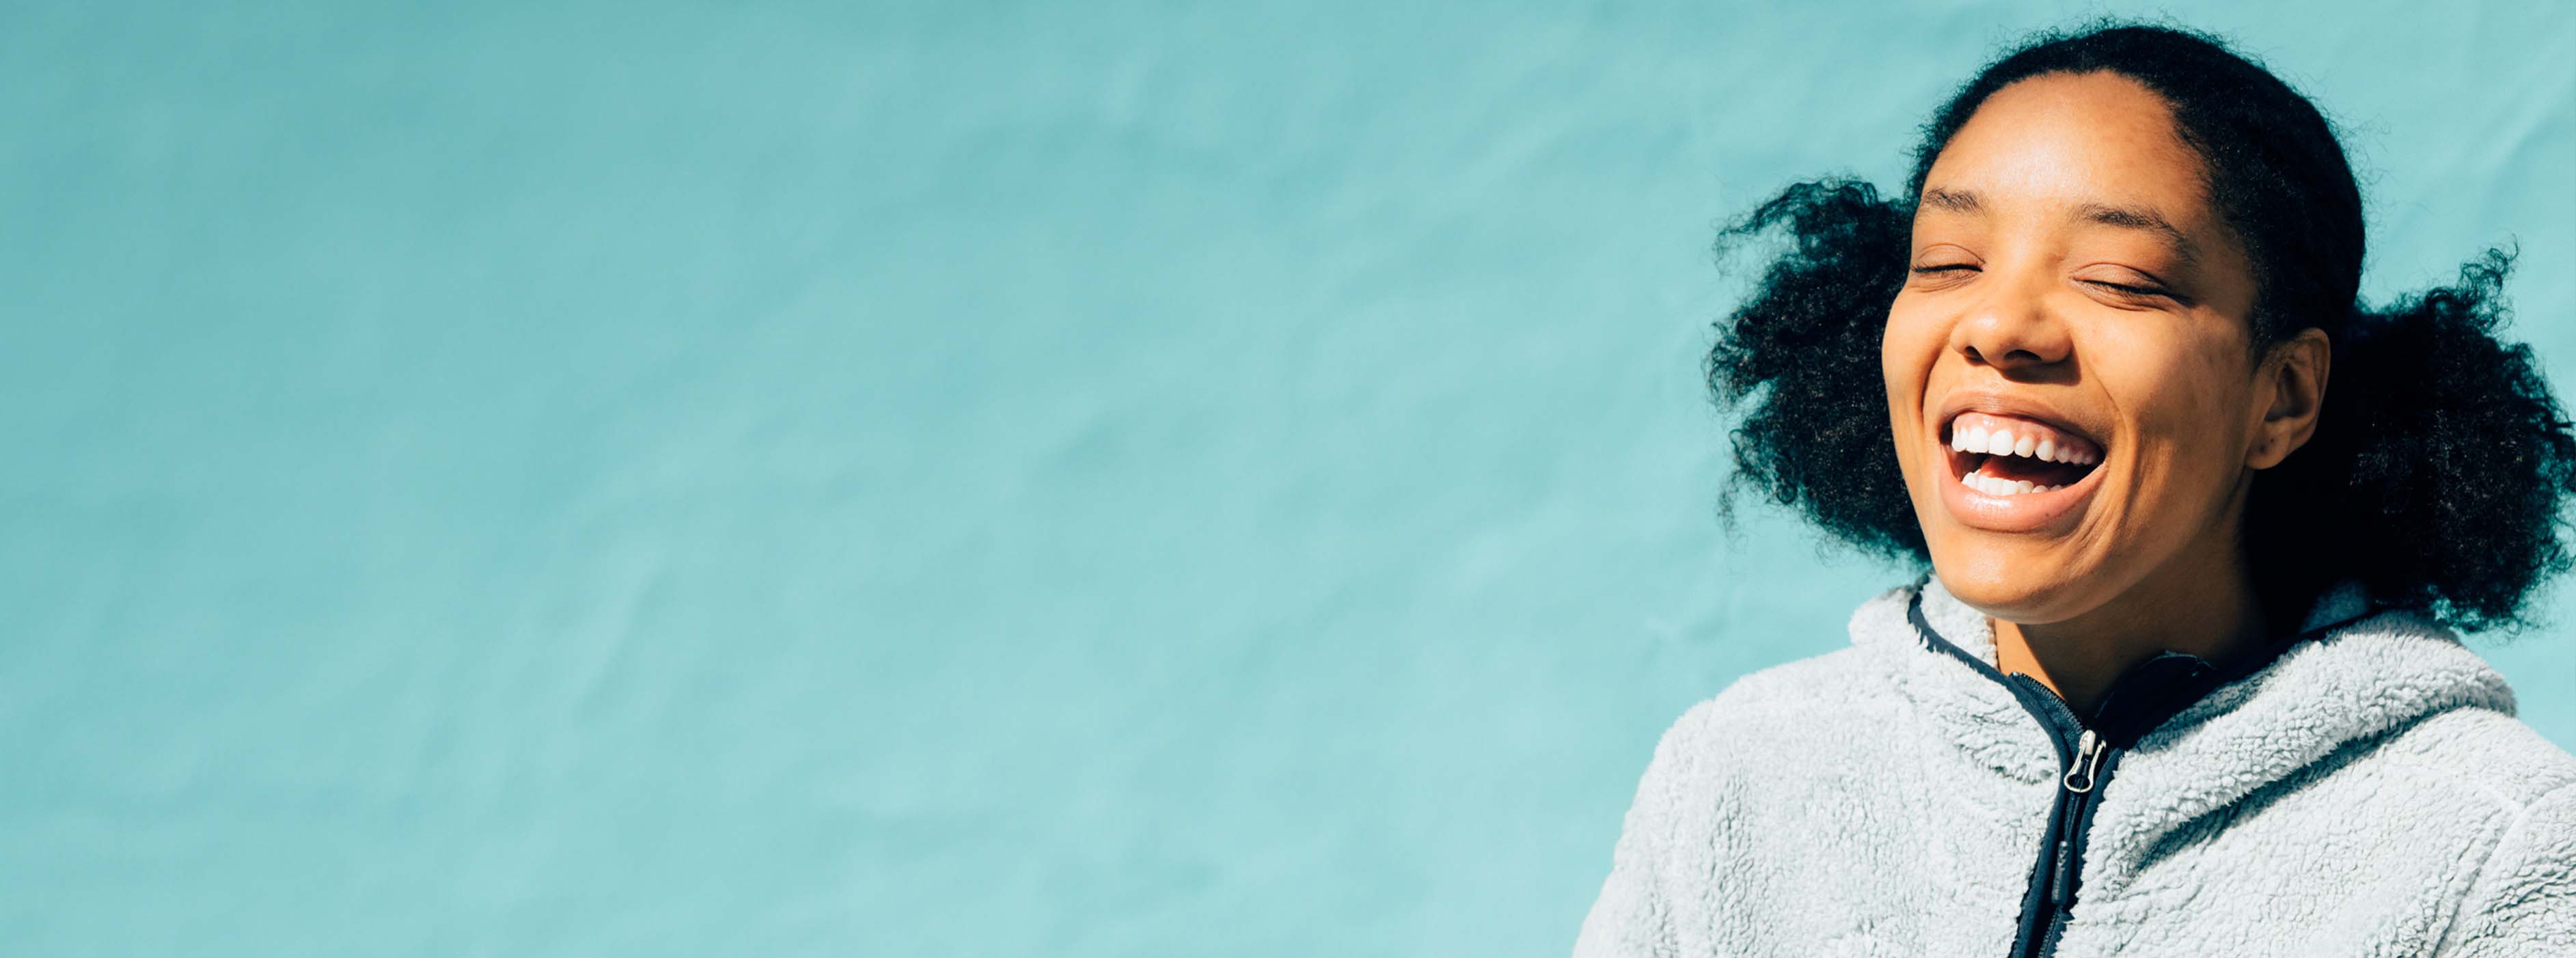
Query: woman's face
(2068,378)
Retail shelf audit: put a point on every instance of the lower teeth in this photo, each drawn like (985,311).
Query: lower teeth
(1997,486)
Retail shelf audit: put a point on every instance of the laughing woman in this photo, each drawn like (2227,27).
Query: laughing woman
(2181,677)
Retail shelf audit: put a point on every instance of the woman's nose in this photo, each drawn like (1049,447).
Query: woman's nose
(2012,331)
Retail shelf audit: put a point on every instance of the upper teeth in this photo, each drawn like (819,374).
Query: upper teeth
(2002,442)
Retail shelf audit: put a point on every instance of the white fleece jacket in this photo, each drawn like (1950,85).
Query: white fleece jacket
(2368,792)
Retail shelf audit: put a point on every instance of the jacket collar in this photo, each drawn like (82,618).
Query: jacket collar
(2149,692)
(2204,735)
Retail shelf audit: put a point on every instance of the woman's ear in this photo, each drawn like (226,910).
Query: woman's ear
(2294,379)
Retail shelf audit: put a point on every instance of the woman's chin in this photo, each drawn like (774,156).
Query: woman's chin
(2006,586)
(2026,576)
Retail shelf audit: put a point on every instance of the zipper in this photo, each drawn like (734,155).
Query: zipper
(2058,873)
(2081,775)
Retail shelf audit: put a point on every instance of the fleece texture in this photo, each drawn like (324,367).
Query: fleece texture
(2369,792)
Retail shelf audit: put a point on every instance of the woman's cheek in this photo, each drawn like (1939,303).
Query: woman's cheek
(1897,370)
(1907,349)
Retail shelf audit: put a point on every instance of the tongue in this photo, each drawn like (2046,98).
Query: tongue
(2040,472)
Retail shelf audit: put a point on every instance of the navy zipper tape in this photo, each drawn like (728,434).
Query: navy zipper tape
(2055,871)
(2028,935)
(2083,831)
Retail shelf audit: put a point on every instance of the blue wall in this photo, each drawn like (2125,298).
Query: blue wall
(935,479)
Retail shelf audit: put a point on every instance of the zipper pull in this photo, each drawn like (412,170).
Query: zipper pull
(2079,780)
(2088,760)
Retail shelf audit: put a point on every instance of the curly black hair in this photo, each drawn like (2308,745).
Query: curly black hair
(2440,461)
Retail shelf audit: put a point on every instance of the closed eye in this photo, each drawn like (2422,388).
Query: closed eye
(2125,288)
(1941,277)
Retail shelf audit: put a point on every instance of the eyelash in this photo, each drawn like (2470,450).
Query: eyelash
(2122,287)
(2132,290)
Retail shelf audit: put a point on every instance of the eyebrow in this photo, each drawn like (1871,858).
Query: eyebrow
(2124,217)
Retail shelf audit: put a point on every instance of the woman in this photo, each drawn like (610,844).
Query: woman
(2181,678)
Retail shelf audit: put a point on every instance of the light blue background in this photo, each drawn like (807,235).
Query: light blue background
(946,479)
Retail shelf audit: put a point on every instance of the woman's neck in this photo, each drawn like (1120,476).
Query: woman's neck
(2210,612)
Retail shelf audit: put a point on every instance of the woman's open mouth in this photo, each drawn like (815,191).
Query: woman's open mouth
(2008,473)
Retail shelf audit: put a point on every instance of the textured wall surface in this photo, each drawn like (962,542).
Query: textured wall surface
(946,479)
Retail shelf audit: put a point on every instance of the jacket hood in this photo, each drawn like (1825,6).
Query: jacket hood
(2355,673)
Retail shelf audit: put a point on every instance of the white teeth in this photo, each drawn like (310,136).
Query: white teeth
(1977,439)
(2047,450)
(2024,447)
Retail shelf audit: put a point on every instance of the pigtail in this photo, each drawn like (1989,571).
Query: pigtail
(1799,360)
(2440,464)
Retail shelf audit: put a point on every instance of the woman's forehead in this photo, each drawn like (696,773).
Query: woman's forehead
(2096,150)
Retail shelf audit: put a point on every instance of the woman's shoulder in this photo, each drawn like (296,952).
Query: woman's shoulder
(1793,707)
(2490,769)
(2483,751)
